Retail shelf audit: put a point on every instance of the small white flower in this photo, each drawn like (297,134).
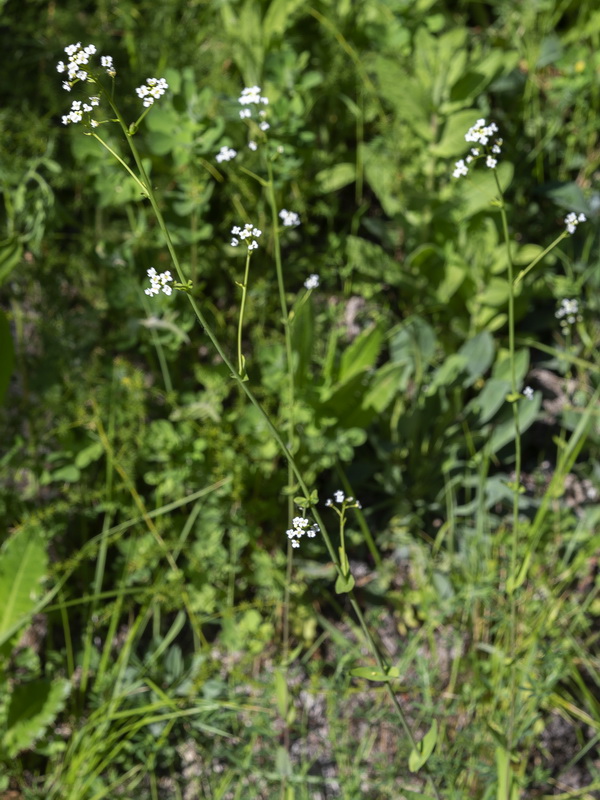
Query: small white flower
(528,393)
(152,90)
(460,168)
(252,145)
(264,126)
(301,526)
(251,96)
(248,234)
(159,282)
(338,496)
(289,218)
(226,154)
(312,282)
(480,134)
(572,220)
(245,113)
(568,314)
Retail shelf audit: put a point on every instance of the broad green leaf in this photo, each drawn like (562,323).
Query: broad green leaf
(490,399)
(32,708)
(302,334)
(7,355)
(454,365)
(344,584)
(384,180)
(279,17)
(420,755)
(502,369)
(456,270)
(479,190)
(361,354)
(414,343)
(388,382)
(504,433)
(452,143)
(478,354)
(23,563)
(336,177)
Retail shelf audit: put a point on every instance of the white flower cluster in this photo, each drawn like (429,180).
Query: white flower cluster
(568,314)
(248,234)
(572,220)
(528,393)
(251,96)
(158,282)
(481,133)
(152,90)
(300,527)
(312,282)
(79,57)
(226,154)
(107,63)
(340,498)
(78,109)
(289,218)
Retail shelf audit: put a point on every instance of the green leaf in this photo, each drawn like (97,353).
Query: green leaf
(505,432)
(479,188)
(336,177)
(31,709)
(23,563)
(361,354)
(447,373)
(344,583)
(302,334)
(279,18)
(411,795)
(490,399)
(375,674)
(387,383)
(420,755)
(453,142)
(11,251)
(7,355)
(502,369)
(478,354)
(281,693)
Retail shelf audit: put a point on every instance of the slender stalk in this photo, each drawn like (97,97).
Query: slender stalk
(244,285)
(285,449)
(538,258)
(289,357)
(516,486)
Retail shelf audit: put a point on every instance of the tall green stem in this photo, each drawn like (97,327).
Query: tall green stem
(285,449)
(516,486)
(244,285)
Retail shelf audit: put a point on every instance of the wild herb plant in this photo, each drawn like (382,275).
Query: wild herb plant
(412,393)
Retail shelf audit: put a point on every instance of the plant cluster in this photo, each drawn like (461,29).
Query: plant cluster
(271,277)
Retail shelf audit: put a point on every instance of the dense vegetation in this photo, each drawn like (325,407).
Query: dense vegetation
(160,635)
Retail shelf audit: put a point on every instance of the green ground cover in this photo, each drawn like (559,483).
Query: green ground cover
(415,325)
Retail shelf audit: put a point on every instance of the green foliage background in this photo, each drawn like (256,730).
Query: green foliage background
(143,496)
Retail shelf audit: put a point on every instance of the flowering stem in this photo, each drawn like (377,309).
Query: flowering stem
(244,286)
(510,586)
(121,162)
(537,259)
(285,449)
